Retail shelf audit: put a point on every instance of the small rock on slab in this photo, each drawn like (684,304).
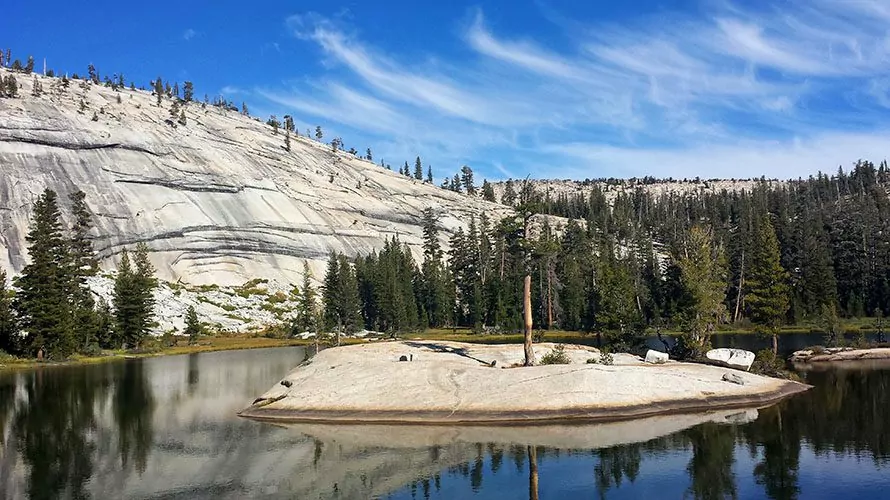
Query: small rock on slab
(733,378)
(403,358)
(286,383)
(653,356)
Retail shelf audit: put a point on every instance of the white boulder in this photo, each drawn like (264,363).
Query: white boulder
(733,358)
(656,357)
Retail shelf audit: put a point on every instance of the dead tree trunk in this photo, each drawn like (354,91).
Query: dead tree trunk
(527,312)
(738,299)
(549,297)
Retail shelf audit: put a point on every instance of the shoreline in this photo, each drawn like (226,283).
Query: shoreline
(575,416)
(835,355)
(449,383)
(216,344)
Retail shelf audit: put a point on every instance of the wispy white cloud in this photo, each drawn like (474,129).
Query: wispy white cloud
(230,90)
(189,34)
(794,86)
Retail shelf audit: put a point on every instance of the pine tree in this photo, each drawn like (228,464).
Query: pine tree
(42,302)
(509,196)
(182,118)
(318,133)
(429,174)
(159,90)
(466,180)
(368,156)
(703,274)
(193,326)
(29,67)
(244,110)
(9,332)
(134,297)
(434,279)
(418,169)
(487,191)
(274,123)
(287,140)
(125,307)
(188,91)
(83,264)
(307,306)
(616,313)
(767,296)
(340,297)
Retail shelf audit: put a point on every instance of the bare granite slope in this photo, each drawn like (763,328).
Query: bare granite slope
(456,383)
(218,200)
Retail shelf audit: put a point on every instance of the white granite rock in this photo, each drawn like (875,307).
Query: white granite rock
(733,358)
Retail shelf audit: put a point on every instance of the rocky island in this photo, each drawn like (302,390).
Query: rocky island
(414,382)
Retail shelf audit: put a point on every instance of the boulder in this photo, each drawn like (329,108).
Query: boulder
(656,357)
(733,358)
(733,378)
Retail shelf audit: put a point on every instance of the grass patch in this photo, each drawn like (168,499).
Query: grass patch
(277,298)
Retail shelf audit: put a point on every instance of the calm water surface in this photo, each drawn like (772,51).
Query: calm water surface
(166,428)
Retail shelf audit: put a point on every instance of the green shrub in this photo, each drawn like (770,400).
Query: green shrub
(767,363)
(277,298)
(605,358)
(92,350)
(5,357)
(557,356)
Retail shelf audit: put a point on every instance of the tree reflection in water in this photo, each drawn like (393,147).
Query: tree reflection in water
(134,410)
(843,418)
(55,427)
(100,431)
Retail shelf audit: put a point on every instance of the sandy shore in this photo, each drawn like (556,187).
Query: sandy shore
(453,383)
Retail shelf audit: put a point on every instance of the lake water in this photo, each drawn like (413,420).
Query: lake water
(166,428)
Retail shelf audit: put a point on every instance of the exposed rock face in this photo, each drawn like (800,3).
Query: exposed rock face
(453,383)
(219,200)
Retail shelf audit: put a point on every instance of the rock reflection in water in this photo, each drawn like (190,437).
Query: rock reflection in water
(166,428)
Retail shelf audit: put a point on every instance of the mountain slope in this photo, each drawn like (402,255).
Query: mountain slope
(218,200)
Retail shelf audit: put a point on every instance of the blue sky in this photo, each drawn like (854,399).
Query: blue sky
(554,89)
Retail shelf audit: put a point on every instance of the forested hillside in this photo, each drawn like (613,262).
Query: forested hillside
(774,253)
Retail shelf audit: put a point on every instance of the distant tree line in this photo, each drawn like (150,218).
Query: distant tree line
(807,251)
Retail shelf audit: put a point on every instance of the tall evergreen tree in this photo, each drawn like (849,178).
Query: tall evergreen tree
(158,90)
(42,302)
(434,283)
(767,296)
(487,191)
(418,169)
(83,264)
(703,267)
(134,297)
(307,306)
(188,91)
(342,305)
(509,196)
(466,180)
(9,332)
